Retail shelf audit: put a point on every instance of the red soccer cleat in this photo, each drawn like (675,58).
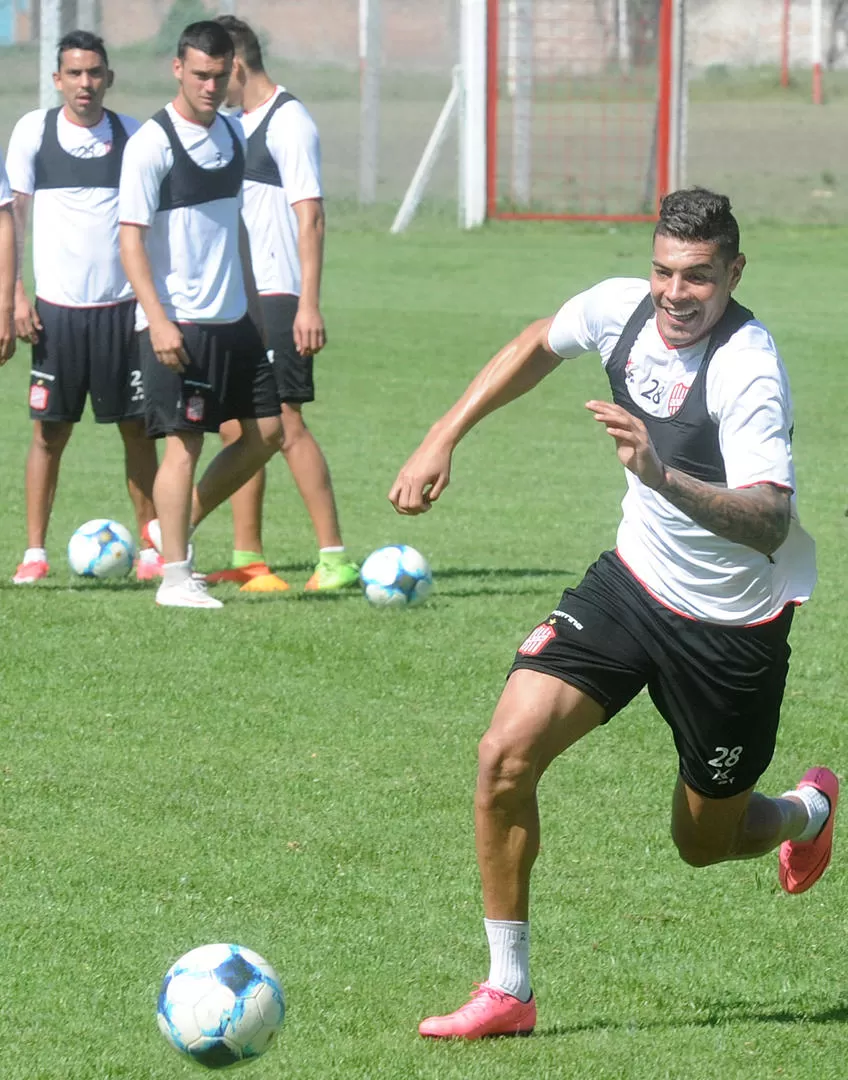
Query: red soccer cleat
(802,864)
(490,1012)
(27,572)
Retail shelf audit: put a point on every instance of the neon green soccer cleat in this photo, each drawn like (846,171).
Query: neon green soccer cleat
(332,574)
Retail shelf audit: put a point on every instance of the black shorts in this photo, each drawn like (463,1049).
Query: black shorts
(228,378)
(292,371)
(82,352)
(719,688)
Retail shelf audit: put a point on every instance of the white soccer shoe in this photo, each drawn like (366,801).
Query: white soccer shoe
(189,593)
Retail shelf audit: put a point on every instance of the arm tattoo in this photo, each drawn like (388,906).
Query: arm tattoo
(757,517)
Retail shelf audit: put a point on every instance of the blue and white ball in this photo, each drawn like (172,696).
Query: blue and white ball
(101,548)
(221,1005)
(396,576)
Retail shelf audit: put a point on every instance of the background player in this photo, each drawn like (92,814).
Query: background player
(67,161)
(695,603)
(186,253)
(284,214)
(7,268)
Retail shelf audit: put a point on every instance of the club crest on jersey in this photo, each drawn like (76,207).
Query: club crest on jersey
(537,639)
(39,395)
(195,409)
(677,397)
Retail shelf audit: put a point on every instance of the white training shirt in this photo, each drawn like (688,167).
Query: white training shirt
(293,143)
(686,567)
(193,250)
(74,230)
(5,186)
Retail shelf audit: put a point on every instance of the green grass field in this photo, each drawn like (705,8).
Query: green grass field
(296,773)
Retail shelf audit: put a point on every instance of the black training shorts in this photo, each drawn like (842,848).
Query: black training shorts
(292,371)
(81,352)
(719,688)
(228,378)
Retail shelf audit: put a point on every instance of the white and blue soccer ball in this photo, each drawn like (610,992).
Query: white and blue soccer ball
(101,548)
(221,1005)
(396,576)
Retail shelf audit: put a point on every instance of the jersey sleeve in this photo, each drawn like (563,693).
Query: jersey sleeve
(23,147)
(295,146)
(147,159)
(754,413)
(593,320)
(5,186)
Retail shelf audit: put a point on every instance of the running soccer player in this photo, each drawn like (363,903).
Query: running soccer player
(284,215)
(67,162)
(186,253)
(695,603)
(7,268)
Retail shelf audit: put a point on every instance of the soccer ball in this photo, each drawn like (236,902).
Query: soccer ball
(396,576)
(101,549)
(221,1005)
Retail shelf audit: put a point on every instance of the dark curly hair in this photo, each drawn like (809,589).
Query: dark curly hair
(698,214)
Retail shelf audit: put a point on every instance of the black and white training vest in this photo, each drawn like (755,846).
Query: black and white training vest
(688,440)
(189,184)
(260,166)
(56,168)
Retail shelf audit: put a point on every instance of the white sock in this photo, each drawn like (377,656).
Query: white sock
(35,555)
(509,951)
(330,550)
(148,555)
(176,573)
(817,805)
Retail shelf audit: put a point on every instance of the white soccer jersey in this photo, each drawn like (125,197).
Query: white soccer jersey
(686,567)
(193,250)
(5,186)
(74,230)
(293,143)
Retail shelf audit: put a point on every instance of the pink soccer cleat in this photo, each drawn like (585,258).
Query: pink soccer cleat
(149,570)
(490,1012)
(802,864)
(27,572)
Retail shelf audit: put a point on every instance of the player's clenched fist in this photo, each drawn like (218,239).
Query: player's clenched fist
(421,480)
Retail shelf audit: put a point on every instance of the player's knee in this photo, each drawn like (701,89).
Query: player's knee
(294,428)
(505,768)
(51,438)
(699,851)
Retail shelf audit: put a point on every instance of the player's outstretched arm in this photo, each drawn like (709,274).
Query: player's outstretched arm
(7,283)
(517,368)
(757,516)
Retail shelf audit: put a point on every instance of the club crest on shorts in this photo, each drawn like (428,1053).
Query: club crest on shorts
(195,408)
(39,395)
(537,639)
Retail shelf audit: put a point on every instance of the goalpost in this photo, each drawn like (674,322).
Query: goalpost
(575,111)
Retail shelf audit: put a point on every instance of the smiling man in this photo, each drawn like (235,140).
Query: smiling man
(695,603)
(66,162)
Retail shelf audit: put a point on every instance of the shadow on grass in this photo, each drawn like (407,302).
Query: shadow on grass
(712,1014)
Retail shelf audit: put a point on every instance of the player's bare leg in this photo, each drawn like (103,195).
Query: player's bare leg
(49,439)
(311,474)
(537,718)
(140,463)
(246,503)
(172,493)
(744,826)
(235,464)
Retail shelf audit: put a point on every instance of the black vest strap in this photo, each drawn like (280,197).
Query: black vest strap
(189,184)
(56,168)
(688,440)
(260,166)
